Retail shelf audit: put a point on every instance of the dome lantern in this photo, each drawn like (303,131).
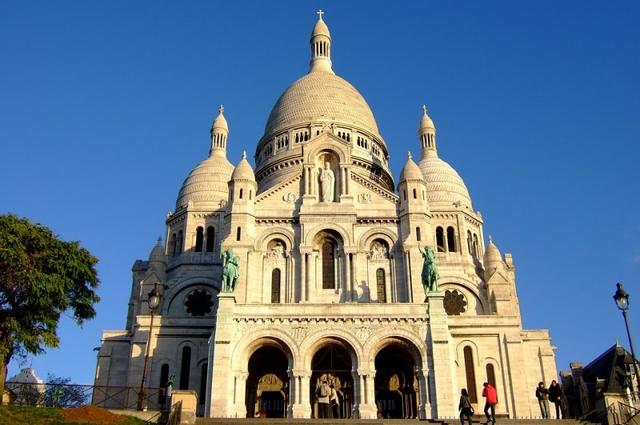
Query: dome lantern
(219,134)
(427,133)
(321,46)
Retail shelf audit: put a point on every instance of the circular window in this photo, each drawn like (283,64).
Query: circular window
(199,302)
(454,303)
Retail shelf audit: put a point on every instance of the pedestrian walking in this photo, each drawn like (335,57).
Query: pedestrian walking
(542,394)
(465,408)
(555,395)
(323,394)
(491,396)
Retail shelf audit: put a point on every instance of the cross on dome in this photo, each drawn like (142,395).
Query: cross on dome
(424,109)
(409,156)
(221,109)
(320,13)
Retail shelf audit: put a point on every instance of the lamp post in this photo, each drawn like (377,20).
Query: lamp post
(154,302)
(621,297)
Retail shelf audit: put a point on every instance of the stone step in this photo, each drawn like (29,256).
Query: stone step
(451,421)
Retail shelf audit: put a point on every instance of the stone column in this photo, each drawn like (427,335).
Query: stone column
(367,405)
(303,276)
(422,399)
(444,385)
(219,380)
(347,269)
(239,402)
(299,408)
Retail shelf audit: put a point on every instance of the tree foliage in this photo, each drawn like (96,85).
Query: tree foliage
(41,277)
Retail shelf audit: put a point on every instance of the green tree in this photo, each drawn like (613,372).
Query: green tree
(41,277)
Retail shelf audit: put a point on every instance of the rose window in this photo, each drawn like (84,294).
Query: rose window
(199,302)
(454,303)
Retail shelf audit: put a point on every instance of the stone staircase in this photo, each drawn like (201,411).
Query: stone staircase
(452,421)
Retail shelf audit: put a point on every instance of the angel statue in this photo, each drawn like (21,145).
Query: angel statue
(230,270)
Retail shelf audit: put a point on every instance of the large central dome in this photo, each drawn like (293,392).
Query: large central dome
(320,96)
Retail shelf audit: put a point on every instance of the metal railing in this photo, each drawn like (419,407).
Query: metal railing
(75,395)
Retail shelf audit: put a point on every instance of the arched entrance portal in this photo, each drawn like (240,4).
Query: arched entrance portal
(267,384)
(335,361)
(396,385)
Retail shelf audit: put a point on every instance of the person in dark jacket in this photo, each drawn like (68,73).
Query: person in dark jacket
(465,407)
(555,395)
(542,394)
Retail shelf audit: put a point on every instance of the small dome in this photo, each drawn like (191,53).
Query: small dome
(318,97)
(492,257)
(445,187)
(157,253)
(243,170)
(426,123)
(411,171)
(27,375)
(206,185)
(220,122)
(320,29)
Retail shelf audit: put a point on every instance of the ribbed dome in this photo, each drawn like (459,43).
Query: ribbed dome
(410,171)
(444,185)
(206,185)
(321,96)
(243,170)
(320,29)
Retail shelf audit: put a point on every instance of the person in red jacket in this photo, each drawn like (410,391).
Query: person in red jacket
(492,399)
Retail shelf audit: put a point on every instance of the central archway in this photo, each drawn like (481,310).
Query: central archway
(334,361)
(396,385)
(267,391)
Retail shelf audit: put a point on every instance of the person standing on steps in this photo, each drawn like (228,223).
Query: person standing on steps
(489,392)
(542,394)
(555,395)
(465,407)
(323,393)
(335,406)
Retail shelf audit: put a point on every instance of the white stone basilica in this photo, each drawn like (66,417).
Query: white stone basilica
(330,276)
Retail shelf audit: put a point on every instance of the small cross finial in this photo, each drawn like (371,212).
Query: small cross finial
(159,240)
(244,154)
(409,156)
(221,109)
(424,109)
(320,13)
(490,239)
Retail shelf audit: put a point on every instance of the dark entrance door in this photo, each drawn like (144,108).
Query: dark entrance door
(396,386)
(333,362)
(267,384)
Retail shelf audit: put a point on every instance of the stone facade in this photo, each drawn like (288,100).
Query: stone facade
(330,276)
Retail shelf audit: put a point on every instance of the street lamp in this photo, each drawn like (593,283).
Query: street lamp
(621,297)
(154,302)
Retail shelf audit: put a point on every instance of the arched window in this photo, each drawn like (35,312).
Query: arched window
(471,374)
(476,250)
(179,243)
(211,238)
(415,194)
(451,239)
(328,266)
(164,379)
(172,245)
(440,239)
(418,235)
(250,194)
(199,238)
(203,384)
(469,242)
(381,286)
(238,233)
(491,375)
(275,286)
(240,193)
(185,368)
(404,194)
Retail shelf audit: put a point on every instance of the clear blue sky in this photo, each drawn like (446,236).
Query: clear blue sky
(106,106)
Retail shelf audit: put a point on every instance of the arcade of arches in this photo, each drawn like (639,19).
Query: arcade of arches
(271,389)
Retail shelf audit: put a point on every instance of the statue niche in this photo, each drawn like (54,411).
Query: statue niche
(326,169)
